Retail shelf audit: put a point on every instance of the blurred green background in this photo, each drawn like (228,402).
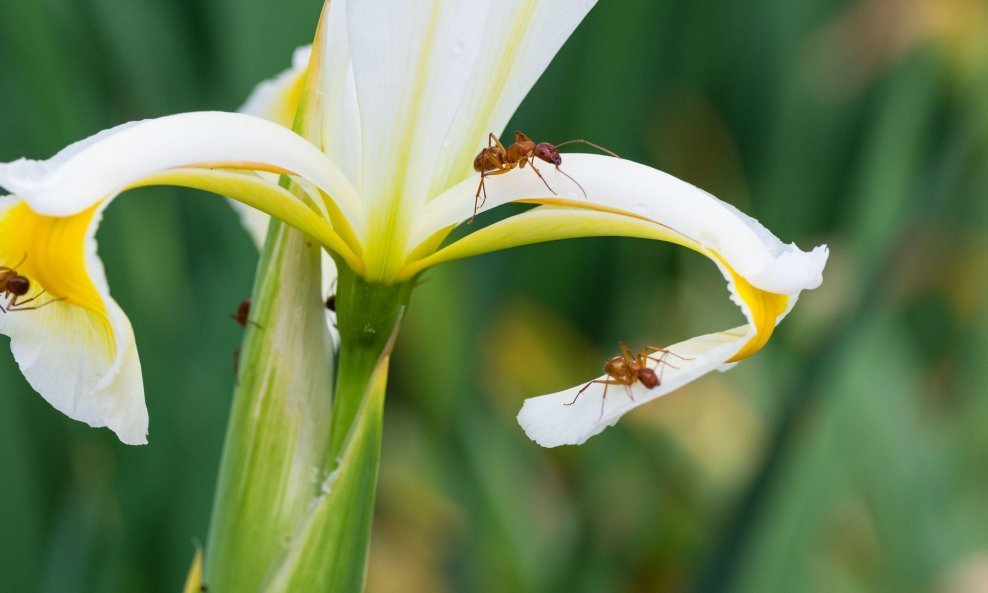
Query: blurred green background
(849,455)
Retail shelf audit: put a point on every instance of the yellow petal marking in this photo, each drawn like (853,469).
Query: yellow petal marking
(56,258)
(283,111)
(765,308)
(551,222)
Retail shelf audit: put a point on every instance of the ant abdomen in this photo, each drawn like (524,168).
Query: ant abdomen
(19,285)
(648,377)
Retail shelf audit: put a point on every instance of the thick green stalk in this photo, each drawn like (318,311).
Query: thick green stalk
(329,551)
(276,442)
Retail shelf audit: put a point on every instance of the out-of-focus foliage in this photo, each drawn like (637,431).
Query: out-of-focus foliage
(850,455)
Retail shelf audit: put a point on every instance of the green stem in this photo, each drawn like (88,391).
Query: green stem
(368,316)
(279,422)
(329,551)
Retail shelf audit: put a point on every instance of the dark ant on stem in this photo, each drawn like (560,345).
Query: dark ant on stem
(242,317)
(498,160)
(628,369)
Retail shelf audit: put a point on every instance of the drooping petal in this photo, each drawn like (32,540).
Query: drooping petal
(72,342)
(626,187)
(100,166)
(623,198)
(570,417)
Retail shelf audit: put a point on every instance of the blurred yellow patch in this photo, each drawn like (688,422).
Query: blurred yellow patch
(546,352)
(871,36)
(713,424)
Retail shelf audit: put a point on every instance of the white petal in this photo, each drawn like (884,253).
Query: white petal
(552,420)
(100,166)
(337,111)
(270,98)
(616,184)
(411,63)
(68,356)
(520,38)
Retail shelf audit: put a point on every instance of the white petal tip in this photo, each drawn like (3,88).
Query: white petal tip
(548,421)
(572,416)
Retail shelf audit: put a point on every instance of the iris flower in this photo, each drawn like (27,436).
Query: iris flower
(398,98)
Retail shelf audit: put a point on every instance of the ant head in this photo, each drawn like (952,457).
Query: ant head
(648,377)
(19,285)
(548,153)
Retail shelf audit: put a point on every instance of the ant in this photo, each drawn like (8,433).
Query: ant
(14,286)
(242,317)
(498,160)
(629,369)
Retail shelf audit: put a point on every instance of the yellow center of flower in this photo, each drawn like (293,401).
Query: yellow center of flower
(53,254)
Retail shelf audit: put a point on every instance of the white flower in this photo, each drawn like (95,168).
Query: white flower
(398,99)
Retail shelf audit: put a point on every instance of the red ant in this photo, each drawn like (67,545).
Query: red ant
(14,286)
(242,317)
(629,369)
(498,160)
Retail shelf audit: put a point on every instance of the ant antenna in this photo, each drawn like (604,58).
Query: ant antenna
(588,143)
(574,181)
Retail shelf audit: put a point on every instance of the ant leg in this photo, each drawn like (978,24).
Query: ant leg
(539,173)
(14,302)
(661,360)
(477,202)
(41,306)
(603,400)
(482,187)
(493,141)
(631,394)
(626,352)
(665,352)
(580,392)
(604,382)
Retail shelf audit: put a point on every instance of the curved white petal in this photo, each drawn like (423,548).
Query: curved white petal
(519,39)
(625,186)
(434,78)
(78,353)
(564,419)
(763,275)
(100,166)
(411,64)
